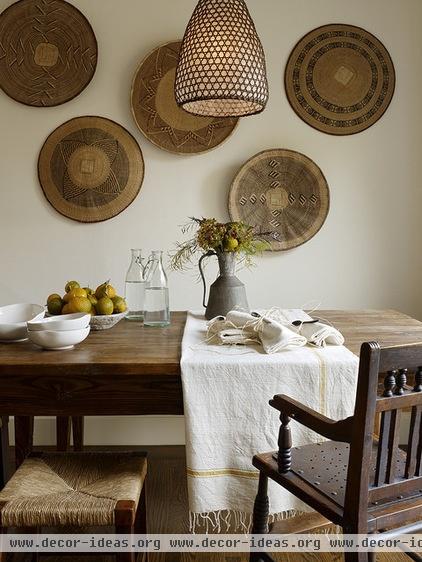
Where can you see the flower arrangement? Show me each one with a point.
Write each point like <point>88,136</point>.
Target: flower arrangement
<point>218,237</point>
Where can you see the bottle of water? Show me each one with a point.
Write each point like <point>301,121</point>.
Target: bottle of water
<point>157,310</point>
<point>135,287</point>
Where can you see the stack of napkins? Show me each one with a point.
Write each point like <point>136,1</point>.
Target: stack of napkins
<point>274,334</point>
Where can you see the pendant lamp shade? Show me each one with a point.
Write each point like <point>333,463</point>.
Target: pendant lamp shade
<point>221,70</point>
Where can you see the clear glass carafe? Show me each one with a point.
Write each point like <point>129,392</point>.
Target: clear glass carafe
<point>157,310</point>
<point>135,287</point>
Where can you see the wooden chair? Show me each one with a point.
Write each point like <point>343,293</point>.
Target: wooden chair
<point>77,490</point>
<point>363,484</point>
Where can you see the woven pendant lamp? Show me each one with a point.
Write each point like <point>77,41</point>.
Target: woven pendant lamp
<point>221,70</point>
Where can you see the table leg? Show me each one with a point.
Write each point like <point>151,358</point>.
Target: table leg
<point>62,433</point>
<point>78,432</point>
<point>24,434</point>
<point>4,451</point>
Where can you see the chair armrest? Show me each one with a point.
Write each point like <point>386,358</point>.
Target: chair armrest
<point>334,430</point>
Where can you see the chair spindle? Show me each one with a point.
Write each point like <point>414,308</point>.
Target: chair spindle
<point>389,384</point>
<point>382,457</point>
<point>284,445</point>
<point>418,380</point>
<point>393,444</point>
<point>413,460</point>
<point>401,380</point>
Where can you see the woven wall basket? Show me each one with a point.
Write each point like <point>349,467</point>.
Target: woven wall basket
<point>283,194</point>
<point>48,52</point>
<point>90,169</point>
<point>339,79</point>
<point>159,117</point>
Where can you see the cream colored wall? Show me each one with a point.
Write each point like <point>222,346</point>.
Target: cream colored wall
<point>366,255</point>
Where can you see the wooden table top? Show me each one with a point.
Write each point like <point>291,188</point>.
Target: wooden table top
<point>129,348</point>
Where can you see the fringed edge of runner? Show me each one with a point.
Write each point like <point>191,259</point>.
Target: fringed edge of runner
<point>229,519</point>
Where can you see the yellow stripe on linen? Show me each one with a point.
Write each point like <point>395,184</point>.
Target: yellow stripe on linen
<point>322,382</point>
<point>222,472</point>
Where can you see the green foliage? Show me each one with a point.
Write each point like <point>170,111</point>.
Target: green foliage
<point>212,235</point>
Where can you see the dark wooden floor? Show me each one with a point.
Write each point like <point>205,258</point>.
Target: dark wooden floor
<point>168,513</point>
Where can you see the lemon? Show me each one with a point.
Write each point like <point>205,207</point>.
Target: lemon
<point>54,306</point>
<point>80,304</point>
<point>71,285</point>
<point>77,292</point>
<point>119,305</point>
<point>230,244</point>
<point>105,290</point>
<point>54,297</point>
<point>104,306</point>
<point>66,309</point>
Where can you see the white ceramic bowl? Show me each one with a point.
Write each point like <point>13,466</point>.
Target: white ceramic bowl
<point>13,319</point>
<point>49,339</point>
<point>106,322</point>
<point>77,321</point>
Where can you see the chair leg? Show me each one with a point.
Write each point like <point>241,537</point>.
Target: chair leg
<point>124,518</point>
<point>3,555</point>
<point>141,520</point>
<point>63,433</point>
<point>78,432</point>
<point>4,451</point>
<point>260,515</point>
<point>24,434</point>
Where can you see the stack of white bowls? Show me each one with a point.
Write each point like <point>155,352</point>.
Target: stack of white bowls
<point>13,320</point>
<point>59,332</point>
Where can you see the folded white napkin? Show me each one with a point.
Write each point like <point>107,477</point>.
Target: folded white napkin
<point>234,329</point>
<point>243,328</point>
<point>320,334</point>
<point>236,336</point>
<point>276,337</point>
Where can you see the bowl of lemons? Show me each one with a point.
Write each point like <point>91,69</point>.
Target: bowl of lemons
<point>104,305</point>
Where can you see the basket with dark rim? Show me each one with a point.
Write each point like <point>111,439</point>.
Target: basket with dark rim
<point>90,169</point>
<point>48,52</point>
<point>340,79</point>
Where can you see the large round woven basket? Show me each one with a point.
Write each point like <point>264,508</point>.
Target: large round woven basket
<point>90,169</point>
<point>48,52</point>
<point>283,194</point>
<point>159,117</point>
<point>340,79</point>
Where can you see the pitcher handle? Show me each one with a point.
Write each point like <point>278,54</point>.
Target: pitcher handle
<point>201,271</point>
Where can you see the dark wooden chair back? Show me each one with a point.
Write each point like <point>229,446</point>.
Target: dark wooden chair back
<point>396,475</point>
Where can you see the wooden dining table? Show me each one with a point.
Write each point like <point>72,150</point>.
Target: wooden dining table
<point>135,370</point>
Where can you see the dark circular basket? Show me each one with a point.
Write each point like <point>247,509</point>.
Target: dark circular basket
<point>340,79</point>
<point>90,169</point>
<point>48,52</point>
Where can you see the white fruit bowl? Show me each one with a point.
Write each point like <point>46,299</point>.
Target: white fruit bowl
<point>106,322</point>
<point>49,339</point>
<point>13,319</point>
<point>77,321</point>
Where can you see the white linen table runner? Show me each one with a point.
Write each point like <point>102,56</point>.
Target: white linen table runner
<point>228,419</point>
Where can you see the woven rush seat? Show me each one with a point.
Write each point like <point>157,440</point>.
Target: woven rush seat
<point>77,489</point>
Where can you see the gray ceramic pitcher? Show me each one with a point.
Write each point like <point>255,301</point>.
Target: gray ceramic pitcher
<point>227,292</point>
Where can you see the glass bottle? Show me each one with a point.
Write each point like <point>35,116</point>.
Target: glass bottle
<point>157,311</point>
<point>135,287</point>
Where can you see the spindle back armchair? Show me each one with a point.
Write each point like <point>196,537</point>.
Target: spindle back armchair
<point>361,481</point>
